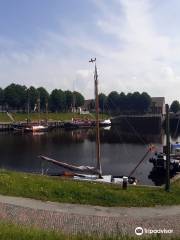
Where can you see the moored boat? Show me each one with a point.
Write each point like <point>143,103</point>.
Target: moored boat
<point>105,123</point>
<point>91,173</point>
<point>79,123</point>
<point>159,159</point>
<point>36,128</point>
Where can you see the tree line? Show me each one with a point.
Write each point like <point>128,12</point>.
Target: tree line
<point>19,97</point>
<point>125,103</point>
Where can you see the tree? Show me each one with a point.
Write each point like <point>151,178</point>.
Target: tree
<point>122,102</point>
<point>175,106</point>
<point>79,99</point>
<point>15,96</point>
<point>1,97</point>
<point>145,102</point>
<point>135,101</point>
<point>69,99</point>
<point>112,101</point>
<point>102,101</point>
<point>44,97</point>
<point>62,100</point>
<point>32,95</point>
<point>57,100</point>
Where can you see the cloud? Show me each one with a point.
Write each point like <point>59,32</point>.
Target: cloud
<point>132,53</point>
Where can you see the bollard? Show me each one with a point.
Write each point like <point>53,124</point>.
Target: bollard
<point>125,181</point>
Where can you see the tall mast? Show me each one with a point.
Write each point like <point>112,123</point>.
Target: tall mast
<point>39,107</point>
<point>28,106</point>
<point>97,120</point>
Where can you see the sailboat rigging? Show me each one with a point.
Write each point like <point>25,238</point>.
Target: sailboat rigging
<point>91,173</point>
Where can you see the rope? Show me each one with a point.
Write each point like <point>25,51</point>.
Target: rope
<point>132,127</point>
<point>145,155</point>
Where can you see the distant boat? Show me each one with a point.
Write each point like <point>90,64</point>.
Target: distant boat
<point>79,123</point>
<point>89,173</point>
<point>105,123</point>
<point>32,126</point>
<point>36,128</point>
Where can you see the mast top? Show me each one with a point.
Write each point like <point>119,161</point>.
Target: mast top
<point>92,60</point>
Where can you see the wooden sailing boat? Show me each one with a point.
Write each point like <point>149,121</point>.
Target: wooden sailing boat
<point>36,127</point>
<point>88,172</point>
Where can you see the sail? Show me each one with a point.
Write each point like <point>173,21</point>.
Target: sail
<point>87,169</point>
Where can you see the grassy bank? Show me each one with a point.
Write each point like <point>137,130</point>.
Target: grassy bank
<point>69,191</point>
<point>14,232</point>
<point>51,116</point>
<point>4,117</point>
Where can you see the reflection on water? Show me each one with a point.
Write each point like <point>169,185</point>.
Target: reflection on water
<point>120,151</point>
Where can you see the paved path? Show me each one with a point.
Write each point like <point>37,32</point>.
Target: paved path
<point>73,218</point>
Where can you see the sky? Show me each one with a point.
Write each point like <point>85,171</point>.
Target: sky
<point>49,43</point>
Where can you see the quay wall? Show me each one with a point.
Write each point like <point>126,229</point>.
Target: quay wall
<point>9,126</point>
<point>140,123</point>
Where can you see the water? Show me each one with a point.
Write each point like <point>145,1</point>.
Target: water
<point>120,152</point>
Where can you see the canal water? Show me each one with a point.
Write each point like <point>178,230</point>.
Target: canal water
<point>120,152</point>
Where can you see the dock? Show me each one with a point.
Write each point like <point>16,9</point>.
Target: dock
<point>9,126</point>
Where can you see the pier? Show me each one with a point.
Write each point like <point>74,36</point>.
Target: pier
<point>9,126</point>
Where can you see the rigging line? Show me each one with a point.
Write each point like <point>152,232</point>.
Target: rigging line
<point>120,137</point>
<point>135,131</point>
<point>145,155</point>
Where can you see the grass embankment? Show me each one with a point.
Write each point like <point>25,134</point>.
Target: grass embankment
<point>4,117</point>
<point>14,232</point>
<point>69,191</point>
<point>51,116</point>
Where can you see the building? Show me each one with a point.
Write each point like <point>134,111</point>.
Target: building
<point>88,105</point>
<point>157,106</point>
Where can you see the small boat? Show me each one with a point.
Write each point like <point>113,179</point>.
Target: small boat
<point>159,159</point>
<point>89,173</point>
<point>105,123</point>
<point>79,123</point>
<point>36,128</point>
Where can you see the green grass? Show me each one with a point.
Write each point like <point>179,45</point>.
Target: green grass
<point>4,117</point>
<point>69,191</point>
<point>51,116</point>
<point>14,232</point>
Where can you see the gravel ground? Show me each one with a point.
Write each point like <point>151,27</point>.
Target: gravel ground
<point>73,218</point>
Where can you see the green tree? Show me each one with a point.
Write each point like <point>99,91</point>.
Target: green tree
<point>122,102</point>
<point>112,101</point>
<point>1,97</point>
<point>145,102</point>
<point>54,100</point>
<point>135,100</point>
<point>32,97</point>
<point>79,99</point>
<point>44,97</point>
<point>175,106</point>
<point>15,96</point>
<point>69,99</point>
<point>57,100</point>
<point>62,100</point>
<point>102,101</point>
